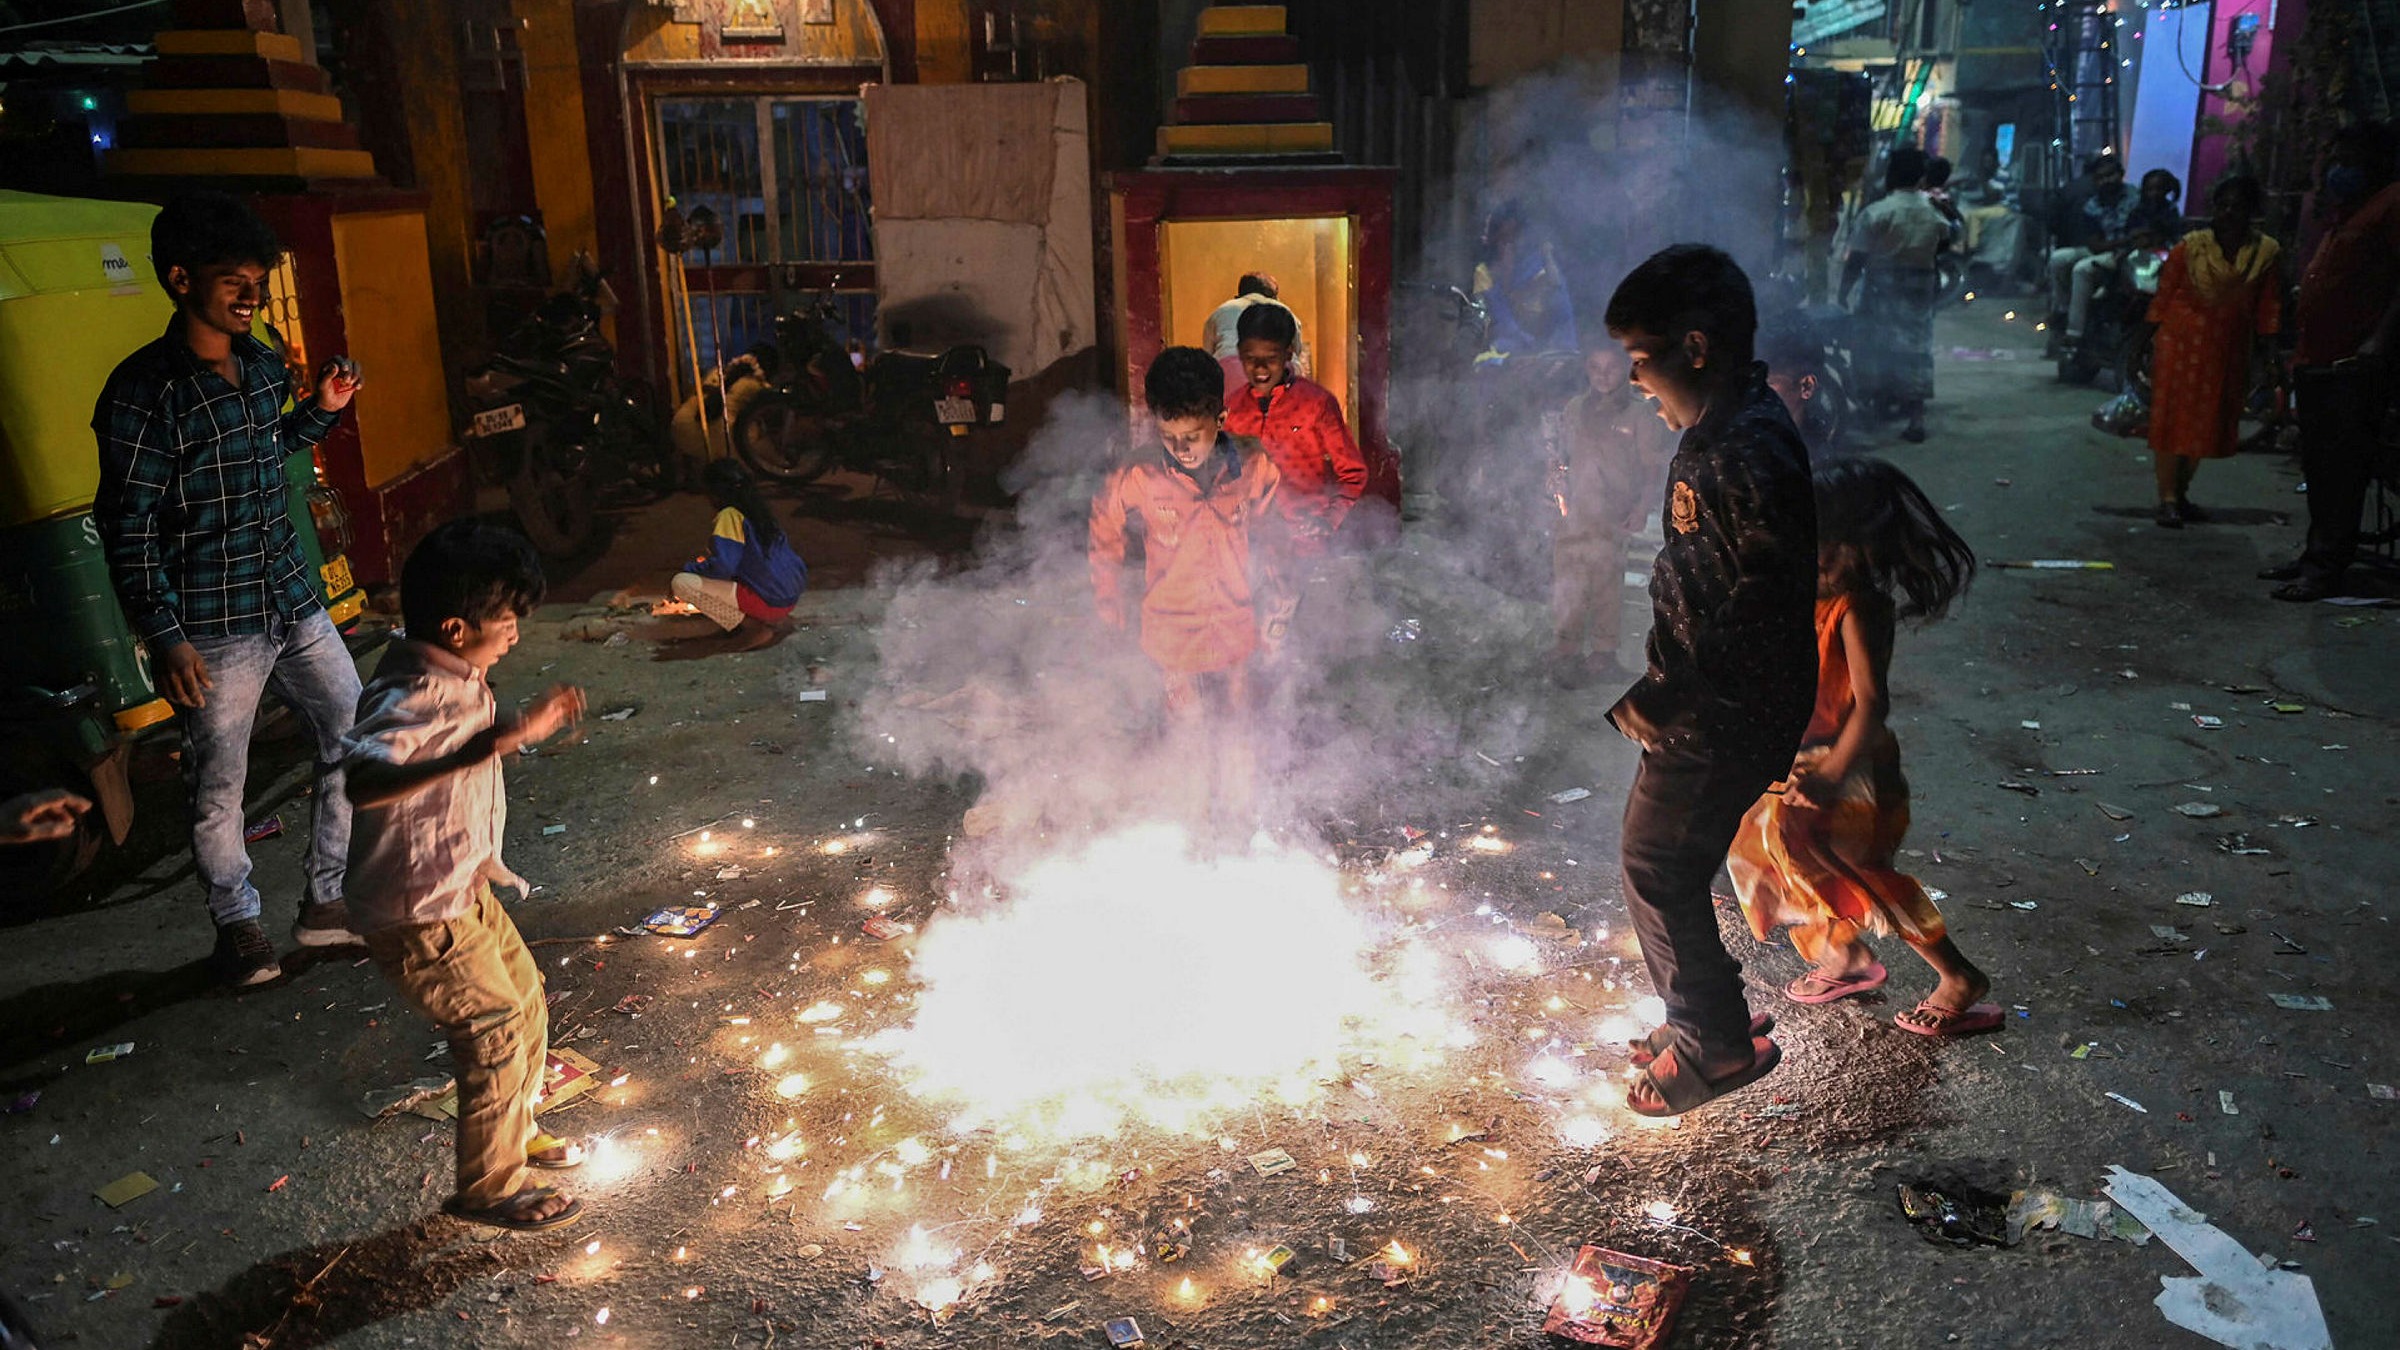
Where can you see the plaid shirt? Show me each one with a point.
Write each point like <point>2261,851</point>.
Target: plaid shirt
<point>192,508</point>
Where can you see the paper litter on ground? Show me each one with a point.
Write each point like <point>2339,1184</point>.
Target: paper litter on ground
<point>126,1189</point>
<point>2234,1300</point>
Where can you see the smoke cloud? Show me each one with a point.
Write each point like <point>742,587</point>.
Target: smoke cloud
<point>1415,680</point>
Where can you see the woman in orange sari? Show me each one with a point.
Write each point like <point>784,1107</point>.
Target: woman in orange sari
<point>2221,288</point>
<point>1817,856</point>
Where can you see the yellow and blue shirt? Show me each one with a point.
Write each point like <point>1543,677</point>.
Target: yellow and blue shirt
<point>773,571</point>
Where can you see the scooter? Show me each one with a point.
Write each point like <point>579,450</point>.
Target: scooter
<point>555,424</point>
<point>898,416</point>
<point>2117,328</point>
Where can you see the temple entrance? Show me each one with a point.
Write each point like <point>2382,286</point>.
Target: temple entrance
<point>1311,261</point>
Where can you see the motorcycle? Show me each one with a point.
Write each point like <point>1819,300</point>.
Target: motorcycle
<point>897,416</point>
<point>2117,328</point>
<point>556,425</point>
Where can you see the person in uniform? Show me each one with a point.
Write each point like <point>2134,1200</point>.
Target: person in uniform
<point>1732,673</point>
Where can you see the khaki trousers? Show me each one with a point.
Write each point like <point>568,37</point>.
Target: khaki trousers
<point>472,977</point>
<point>1587,594</point>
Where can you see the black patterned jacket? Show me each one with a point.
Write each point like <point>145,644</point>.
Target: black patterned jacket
<point>1733,651</point>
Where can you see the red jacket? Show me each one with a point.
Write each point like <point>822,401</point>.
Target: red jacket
<point>1306,435</point>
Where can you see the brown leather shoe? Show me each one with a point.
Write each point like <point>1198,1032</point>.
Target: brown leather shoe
<point>244,957</point>
<point>326,925</point>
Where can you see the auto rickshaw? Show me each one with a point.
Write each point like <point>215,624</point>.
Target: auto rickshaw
<point>77,295</point>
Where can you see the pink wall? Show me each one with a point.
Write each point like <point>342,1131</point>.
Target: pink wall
<point>2210,153</point>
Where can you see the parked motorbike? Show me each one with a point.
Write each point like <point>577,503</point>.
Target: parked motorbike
<point>899,416</point>
<point>556,425</point>
<point>2117,328</point>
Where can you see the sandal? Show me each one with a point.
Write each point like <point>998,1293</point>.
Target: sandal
<point>1643,1051</point>
<point>1667,1088</point>
<point>510,1213</point>
<point>2304,590</point>
<point>1818,987</point>
<point>1931,1019</point>
<point>553,1153</point>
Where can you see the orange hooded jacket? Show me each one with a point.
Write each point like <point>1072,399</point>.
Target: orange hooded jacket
<point>1201,572</point>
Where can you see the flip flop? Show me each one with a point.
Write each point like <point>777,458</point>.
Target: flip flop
<point>1946,1022</point>
<point>553,1153</point>
<point>1646,1049</point>
<point>1680,1089</point>
<point>1865,981</point>
<point>510,1213</point>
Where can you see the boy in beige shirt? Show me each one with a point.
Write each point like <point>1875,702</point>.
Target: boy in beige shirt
<point>423,764</point>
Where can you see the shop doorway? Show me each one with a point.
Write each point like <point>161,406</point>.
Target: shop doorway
<point>1202,261</point>
<point>787,178</point>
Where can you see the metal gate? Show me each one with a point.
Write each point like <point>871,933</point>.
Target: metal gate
<point>787,178</point>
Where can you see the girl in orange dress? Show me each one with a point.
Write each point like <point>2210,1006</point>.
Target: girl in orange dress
<point>2220,289</point>
<point>1816,855</point>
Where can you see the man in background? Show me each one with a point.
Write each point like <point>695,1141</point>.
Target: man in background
<point>2347,319</point>
<point>1221,335</point>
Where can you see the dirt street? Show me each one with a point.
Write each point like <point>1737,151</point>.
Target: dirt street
<point>2089,751</point>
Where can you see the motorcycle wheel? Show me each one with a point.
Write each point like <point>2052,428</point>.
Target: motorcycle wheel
<point>782,437</point>
<point>2075,365</point>
<point>555,500</point>
<point>637,437</point>
<point>945,477</point>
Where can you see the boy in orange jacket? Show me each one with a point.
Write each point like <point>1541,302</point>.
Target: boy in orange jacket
<point>1200,497</point>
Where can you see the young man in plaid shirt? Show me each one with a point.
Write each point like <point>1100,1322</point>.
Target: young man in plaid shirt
<point>192,514</point>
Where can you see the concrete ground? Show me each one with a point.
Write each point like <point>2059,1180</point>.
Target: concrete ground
<point>2067,792</point>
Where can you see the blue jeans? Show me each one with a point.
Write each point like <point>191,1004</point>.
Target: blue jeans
<point>307,666</point>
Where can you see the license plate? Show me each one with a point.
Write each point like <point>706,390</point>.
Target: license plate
<point>493,421</point>
<point>337,576</point>
<point>954,411</point>
<point>999,414</point>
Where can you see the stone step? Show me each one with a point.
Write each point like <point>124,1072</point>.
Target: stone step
<point>1224,109</point>
<point>1200,81</point>
<point>1246,51</point>
<point>1242,21</point>
<point>277,162</point>
<point>249,130</point>
<point>234,72</point>
<point>228,42</point>
<point>223,102</point>
<point>1263,138</point>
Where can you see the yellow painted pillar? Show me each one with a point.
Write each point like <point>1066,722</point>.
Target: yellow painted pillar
<point>554,130</point>
<point>945,51</point>
<point>424,62</point>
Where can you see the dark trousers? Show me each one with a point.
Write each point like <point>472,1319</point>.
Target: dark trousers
<point>1680,819</point>
<point>2337,411</point>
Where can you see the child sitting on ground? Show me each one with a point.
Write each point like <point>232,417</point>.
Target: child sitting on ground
<point>748,581</point>
<point>1200,496</point>
<point>423,764</point>
<point>1817,857</point>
